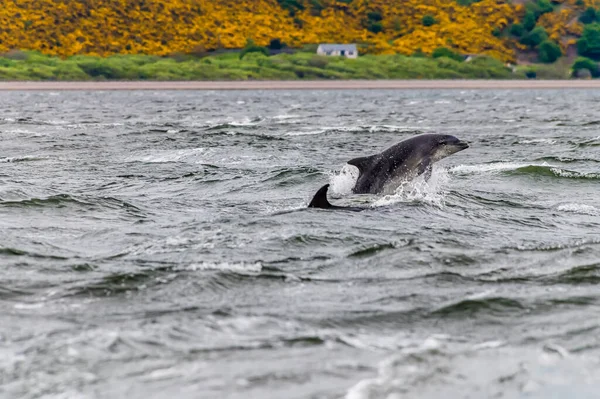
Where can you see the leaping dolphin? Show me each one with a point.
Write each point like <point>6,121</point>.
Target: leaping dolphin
<point>385,171</point>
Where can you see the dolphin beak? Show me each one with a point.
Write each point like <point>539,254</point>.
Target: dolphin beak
<point>463,145</point>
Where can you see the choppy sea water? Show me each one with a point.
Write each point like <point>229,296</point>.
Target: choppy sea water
<point>157,245</point>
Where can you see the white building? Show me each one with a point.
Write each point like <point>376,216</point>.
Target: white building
<point>344,50</point>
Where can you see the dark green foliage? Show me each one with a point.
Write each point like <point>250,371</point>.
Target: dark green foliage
<point>585,63</point>
<point>291,5</point>
<point>428,20</point>
<point>529,20</point>
<point>251,47</point>
<point>275,44</point>
<point>375,27</point>
<point>446,52</point>
<point>530,74</point>
<point>374,16</point>
<point>589,43</point>
<point>535,37</point>
<point>467,2</point>
<point>517,30</point>
<point>316,7</point>
<point>544,6</point>
<point>580,3</point>
<point>539,7</point>
<point>548,52</point>
<point>373,22</point>
<point>497,32</point>
<point>589,16</point>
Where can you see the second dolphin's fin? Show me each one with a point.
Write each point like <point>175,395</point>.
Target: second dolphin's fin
<point>320,199</point>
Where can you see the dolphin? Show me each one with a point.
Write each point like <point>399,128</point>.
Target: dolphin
<point>385,171</point>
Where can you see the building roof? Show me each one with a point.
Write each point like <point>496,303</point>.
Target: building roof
<point>338,47</point>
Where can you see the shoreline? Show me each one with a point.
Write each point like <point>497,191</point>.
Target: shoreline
<point>298,85</point>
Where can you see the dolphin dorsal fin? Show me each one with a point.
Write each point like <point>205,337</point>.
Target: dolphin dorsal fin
<point>320,199</point>
<point>362,163</point>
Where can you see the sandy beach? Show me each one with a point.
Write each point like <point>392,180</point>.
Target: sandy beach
<point>304,85</point>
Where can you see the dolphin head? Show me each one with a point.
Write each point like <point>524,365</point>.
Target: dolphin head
<point>446,145</point>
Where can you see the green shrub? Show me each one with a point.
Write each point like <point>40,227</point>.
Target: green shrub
<point>589,43</point>
<point>529,20</point>
<point>374,16</point>
<point>275,44</point>
<point>588,16</point>
<point>251,47</point>
<point>585,63</point>
<point>446,52</point>
<point>375,27</point>
<point>517,30</point>
<point>544,6</point>
<point>318,61</point>
<point>291,5</point>
<point>548,52</point>
<point>535,37</point>
<point>428,20</point>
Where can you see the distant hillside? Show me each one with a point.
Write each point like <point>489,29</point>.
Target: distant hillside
<point>523,30</point>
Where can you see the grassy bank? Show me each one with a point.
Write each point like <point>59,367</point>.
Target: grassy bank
<point>20,65</point>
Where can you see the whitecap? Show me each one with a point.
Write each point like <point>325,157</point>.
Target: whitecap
<point>490,167</point>
<point>579,208</point>
<point>187,155</point>
<point>236,267</point>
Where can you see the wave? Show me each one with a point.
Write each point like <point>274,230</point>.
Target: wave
<point>357,129</point>
<point>444,366</point>
<point>567,159</point>
<point>20,252</point>
<point>24,158</point>
<point>245,123</point>
<point>231,133</point>
<point>512,168</point>
<point>191,155</point>
<point>595,142</point>
<point>582,209</point>
<point>64,200</point>
<point>584,274</point>
<point>536,141</point>
<point>54,200</point>
<point>553,171</point>
<point>235,267</point>
<point>470,306</point>
<point>289,176</point>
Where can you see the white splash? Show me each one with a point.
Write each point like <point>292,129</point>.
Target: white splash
<point>420,190</point>
<point>417,190</point>
<point>342,183</point>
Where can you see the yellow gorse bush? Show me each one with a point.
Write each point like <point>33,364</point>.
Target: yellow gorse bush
<point>161,27</point>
